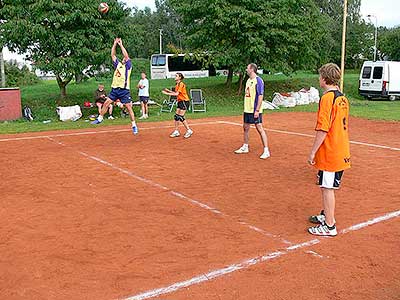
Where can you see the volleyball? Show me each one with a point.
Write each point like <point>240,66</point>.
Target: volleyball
<point>103,8</point>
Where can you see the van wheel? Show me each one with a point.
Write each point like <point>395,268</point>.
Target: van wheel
<point>392,98</point>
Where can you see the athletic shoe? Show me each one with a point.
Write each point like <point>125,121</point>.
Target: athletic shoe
<point>95,122</point>
<point>265,155</point>
<point>318,219</point>
<point>135,130</point>
<point>111,118</point>
<point>323,230</point>
<point>142,117</point>
<point>188,134</point>
<point>242,150</point>
<point>175,134</point>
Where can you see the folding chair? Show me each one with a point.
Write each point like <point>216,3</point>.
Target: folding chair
<point>198,101</point>
<point>168,105</point>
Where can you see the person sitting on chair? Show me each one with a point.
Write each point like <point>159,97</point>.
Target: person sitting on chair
<point>100,96</point>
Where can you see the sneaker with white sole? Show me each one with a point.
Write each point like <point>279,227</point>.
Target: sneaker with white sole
<point>265,155</point>
<point>175,134</point>
<point>242,150</point>
<point>111,118</point>
<point>142,117</point>
<point>318,219</point>
<point>135,130</point>
<point>188,134</point>
<point>323,230</point>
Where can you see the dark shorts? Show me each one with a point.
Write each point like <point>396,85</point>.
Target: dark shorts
<point>144,99</point>
<point>123,95</point>
<point>329,180</point>
<point>249,119</point>
<point>184,105</point>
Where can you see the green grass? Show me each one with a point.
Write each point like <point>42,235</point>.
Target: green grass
<point>44,98</point>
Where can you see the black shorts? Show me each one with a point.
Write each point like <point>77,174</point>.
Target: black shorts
<point>144,99</point>
<point>184,105</point>
<point>329,180</point>
<point>249,118</point>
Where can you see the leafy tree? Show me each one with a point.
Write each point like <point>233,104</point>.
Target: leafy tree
<point>63,37</point>
<point>18,76</point>
<point>388,43</point>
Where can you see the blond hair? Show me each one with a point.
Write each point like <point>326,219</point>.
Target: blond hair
<point>330,73</point>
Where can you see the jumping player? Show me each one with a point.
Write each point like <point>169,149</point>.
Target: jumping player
<point>120,88</point>
<point>330,153</point>
<point>253,111</point>
<point>183,105</point>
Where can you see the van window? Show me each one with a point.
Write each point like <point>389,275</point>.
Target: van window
<point>378,73</point>
<point>367,73</point>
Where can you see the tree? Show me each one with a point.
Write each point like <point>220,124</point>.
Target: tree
<point>279,35</point>
<point>63,37</point>
<point>389,41</point>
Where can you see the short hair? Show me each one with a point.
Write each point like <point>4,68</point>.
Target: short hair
<point>180,76</point>
<point>144,73</point>
<point>330,73</point>
<point>254,67</point>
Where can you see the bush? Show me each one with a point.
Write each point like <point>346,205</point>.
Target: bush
<point>16,76</point>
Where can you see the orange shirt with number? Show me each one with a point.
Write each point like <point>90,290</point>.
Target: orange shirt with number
<point>333,118</point>
<point>180,88</point>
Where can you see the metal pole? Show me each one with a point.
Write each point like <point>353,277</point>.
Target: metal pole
<point>343,44</point>
<point>3,74</point>
<point>376,37</point>
<point>161,32</point>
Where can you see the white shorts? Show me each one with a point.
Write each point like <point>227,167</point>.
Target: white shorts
<point>329,180</point>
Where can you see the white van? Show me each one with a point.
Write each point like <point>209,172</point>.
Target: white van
<point>380,79</point>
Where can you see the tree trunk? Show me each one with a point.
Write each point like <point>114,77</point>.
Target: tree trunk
<point>242,80</point>
<point>62,84</point>
<point>230,77</point>
<point>78,78</point>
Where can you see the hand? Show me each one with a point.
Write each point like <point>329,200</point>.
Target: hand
<point>116,41</point>
<point>256,114</point>
<point>165,92</point>
<point>311,159</point>
<point>119,41</point>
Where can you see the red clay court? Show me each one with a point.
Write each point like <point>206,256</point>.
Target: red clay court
<point>101,214</point>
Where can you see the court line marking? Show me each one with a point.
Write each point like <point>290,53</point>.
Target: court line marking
<point>250,262</point>
<point>97,132</point>
<point>310,135</point>
<point>174,193</point>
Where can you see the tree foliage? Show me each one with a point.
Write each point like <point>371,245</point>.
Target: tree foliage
<point>389,43</point>
<point>63,37</point>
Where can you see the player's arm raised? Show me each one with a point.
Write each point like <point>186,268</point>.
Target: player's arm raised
<point>114,50</point>
<point>124,52</point>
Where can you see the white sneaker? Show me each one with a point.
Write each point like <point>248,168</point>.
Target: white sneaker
<point>175,134</point>
<point>188,134</point>
<point>242,150</point>
<point>265,155</point>
<point>111,118</point>
<point>323,230</point>
<point>142,117</point>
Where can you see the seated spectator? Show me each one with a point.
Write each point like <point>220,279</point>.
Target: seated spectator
<point>100,97</point>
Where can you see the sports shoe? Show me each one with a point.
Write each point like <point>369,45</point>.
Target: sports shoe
<point>323,230</point>
<point>135,130</point>
<point>242,150</point>
<point>318,219</point>
<point>265,155</point>
<point>188,134</point>
<point>95,122</point>
<point>142,117</point>
<point>175,134</point>
<point>111,118</point>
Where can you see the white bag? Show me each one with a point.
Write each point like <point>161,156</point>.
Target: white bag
<point>285,100</point>
<point>269,105</point>
<point>69,113</point>
<point>303,98</point>
<point>314,95</point>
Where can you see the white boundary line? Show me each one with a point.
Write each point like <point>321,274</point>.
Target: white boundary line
<point>96,132</point>
<point>174,193</point>
<point>310,135</point>
<point>250,262</point>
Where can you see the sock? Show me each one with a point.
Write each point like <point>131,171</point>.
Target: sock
<point>246,146</point>
<point>133,124</point>
<point>330,227</point>
<point>100,118</point>
<point>266,150</point>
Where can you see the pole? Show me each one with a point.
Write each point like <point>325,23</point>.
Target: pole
<point>161,33</point>
<point>343,44</point>
<point>3,74</point>
<point>376,37</point>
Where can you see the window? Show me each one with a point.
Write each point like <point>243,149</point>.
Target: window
<point>378,73</point>
<point>181,63</point>
<point>158,60</point>
<point>367,73</point>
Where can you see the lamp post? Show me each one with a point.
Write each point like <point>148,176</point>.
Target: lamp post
<point>161,34</point>
<point>376,34</point>
<point>2,72</point>
<point>342,66</point>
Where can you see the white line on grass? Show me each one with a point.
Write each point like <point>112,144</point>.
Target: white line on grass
<point>96,132</point>
<point>173,193</point>
<point>250,262</point>
<point>310,135</point>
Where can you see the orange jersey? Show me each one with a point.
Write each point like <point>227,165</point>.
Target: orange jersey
<point>181,89</point>
<point>333,118</point>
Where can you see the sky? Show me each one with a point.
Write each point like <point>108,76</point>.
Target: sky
<point>386,12</point>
